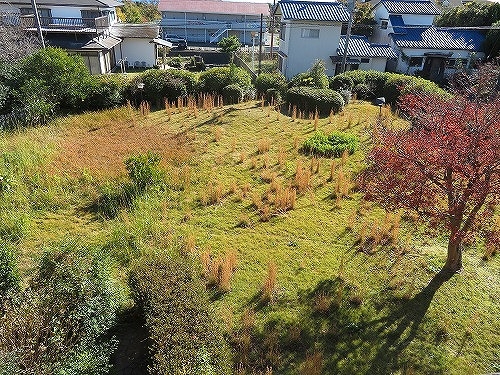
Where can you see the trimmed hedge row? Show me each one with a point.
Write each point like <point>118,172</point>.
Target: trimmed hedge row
<point>369,84</point>
<point>332,145</point>
<point>310,98</point>
<point>185,337</point>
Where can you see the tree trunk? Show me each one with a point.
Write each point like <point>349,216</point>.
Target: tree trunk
<point>454,259</point>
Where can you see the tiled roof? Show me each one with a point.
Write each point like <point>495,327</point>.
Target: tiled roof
<point>131,30</point>
<point>397,23</point>
<point>68,3</point>
<point>102,43</point>
<point>314,11</point>
<point>424,7</point>
<point>439,38</point>
<point>214,6</point>
<point>359,46</point>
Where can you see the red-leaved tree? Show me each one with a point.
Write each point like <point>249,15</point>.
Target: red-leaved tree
<point>446,165</point>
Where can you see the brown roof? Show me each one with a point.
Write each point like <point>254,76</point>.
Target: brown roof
<point>214,6</point>
<point>135,30</point>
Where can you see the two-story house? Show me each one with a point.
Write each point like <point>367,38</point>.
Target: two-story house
<point>312,30</point>
<point>90,29</point>
<point>433,52</point>
<point>208,21</point>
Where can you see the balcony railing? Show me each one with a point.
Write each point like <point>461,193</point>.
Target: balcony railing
<point>63,24</point>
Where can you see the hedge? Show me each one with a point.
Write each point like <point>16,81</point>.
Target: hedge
<point>310,99</point>
<point>185,337</point>
<point>232,94</point>
<point>332,145</point>
<point>215,79</point>
<point>270,81</point>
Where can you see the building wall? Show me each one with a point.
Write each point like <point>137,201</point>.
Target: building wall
<point>403,63</point>
<point>200,27</point>
<point>302,52</point>
<point>376,63</point>
<point>138,49</point>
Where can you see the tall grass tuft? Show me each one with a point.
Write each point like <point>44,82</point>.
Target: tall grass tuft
<point>302,178</point>
<point>269,287</point>
<point>263,145</point>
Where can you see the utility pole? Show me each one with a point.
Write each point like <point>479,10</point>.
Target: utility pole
<point>260,43</point>
<point>272,28</point>
<point>350,8</point>
<point>37,22</point>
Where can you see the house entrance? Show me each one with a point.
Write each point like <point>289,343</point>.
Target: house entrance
<point>434,66</point>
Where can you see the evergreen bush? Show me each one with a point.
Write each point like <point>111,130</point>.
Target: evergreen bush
<point>310,99</point>
<point>185,337</point>
<point>332,145</point>
<point>267,81</point>
<point>232,94</point>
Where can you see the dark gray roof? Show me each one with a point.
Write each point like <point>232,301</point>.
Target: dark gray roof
<point>359,46</point>
<point>139,30</point>
<point>314,11</point>
<point>69,3</point>
<point>424,7</point>
<point>443,38</point>
<point>102,43</point>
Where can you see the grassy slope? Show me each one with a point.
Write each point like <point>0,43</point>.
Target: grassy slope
<point>398,328</point>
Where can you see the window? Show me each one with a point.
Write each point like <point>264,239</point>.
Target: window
<point>90,14</point>
<point>282,31</point>
<point>383,24</point>
<point>309,33</point>
<point>42,12</point>
<point>364,60</point>
<point>416,61</point>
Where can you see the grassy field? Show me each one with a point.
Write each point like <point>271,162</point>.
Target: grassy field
<point>324,283</point>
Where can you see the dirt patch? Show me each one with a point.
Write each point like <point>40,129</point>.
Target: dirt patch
<point>102,151</point>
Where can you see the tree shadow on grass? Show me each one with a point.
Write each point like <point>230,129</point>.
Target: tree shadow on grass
<point>353,338</point>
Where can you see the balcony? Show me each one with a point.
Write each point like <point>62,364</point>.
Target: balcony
<point>97,25</point>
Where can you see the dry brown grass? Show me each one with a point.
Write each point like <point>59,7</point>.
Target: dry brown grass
<point>269,287</point>
<point>314,165</point>
<point>218,271</point>
<point>322,302</point>
<point>188,244</point>
<point>313,365</point>
<point>265,212</point>
<point>263,145</point>
<point>242,157</point>
<point>217,131</point>
<point>253,163</point>
<point>101,150</point>
<point>285,199</point>
<point>302,178</point>
<point>282,157</point>
<point>212,194</point>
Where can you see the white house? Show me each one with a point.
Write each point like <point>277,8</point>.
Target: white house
<point>141,45</point>
<point>207,21</point>
<point>312,30</point>
<point>90,29</point>
<point>363,55</point>
<point>432,52</point>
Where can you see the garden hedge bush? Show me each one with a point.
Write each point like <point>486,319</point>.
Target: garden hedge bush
<point>268,81</point>
<point>314,77</point>
<point>332,145</point>
<point>215,79</point>
<point>397,85</point>
<point>341,82</point>
<point>185,337</point>
<point>310,99</point>
<point>232,94</point>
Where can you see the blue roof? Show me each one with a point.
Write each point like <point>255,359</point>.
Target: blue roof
<point>398,24</point>
<point>314,11</point>
<point>445,38</point>
<point>424,7</point>
<point>359,46</point>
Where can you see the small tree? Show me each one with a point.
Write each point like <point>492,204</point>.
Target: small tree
<point>230,45</point>
<point>447,165</point>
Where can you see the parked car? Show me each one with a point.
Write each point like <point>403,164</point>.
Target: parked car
<point>176,40</point>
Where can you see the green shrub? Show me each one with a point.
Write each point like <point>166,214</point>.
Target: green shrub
<point>185,337</point>
<point>106,91</point>
<point>61,323</point>
<point>310,99</point>
<point>9,276</point>
<point>159,85</point>
<point>399,84</point>
<point>144,171</point>
<point>114,197</point>
<point>314,77</point>
<point>266,81</point>
<point>232,94</point>
<point>66,76</point>
<point>341,82</point>
<point>215,79</point>
<point>332,145</point>
<point>273,96</point>
<point>189,79</point>
<point>363,91</point>
<point>36,101</point>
